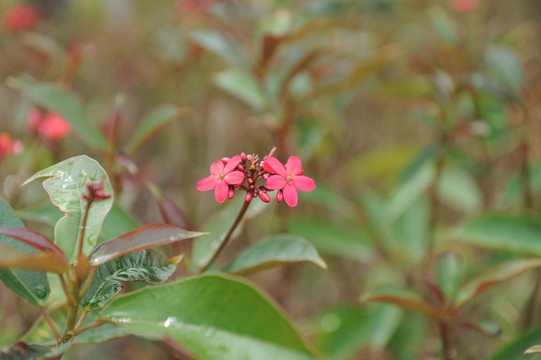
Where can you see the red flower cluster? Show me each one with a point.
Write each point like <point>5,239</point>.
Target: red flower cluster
<point>96,192</point>
<point>49,126</point>
<point>257,178</point>
<point>9,146</point>
<point>20,17</point>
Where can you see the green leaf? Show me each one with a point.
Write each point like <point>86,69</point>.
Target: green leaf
<point>218,226</point>
<point>147,236</point>
<point>516,348</point>
<point>351,243</point>
<point>47,214</point>
<point>65,184</point>
<point>517,233</point>
<point>144,265</point>
<point>23,351</point>
<point>31,285</point>
<point>450,271</point>
<point>458,190</point>
<point>275,251</point>
<point>344,331</point>
<point>403,299</point>
<point>117,222</point>
<point>153,122</point>
<point>213,317</point>
<point>409,192</point>
<point>337,204</point>
<point>504,63</point>
<point>65,103</point>
<point>40,333</point>
<point>443,24</point>
<point>410,232</point>
<point>241,85</point>
<point>493,277</point>
<point>225,47</point>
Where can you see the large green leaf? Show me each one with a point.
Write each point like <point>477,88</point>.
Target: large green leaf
<point>275,251</point>
<point>31,285</point>
<point>66,183</point>
<point>65,103</point>
<point>518,233</point>
<point>153,122</point>
<point>213,317</point>
<point>515,349</point>
<point>40,333</point>
<point>344,331</point>
<point>144,265</point>
<point>351,243</point>
<point>493,277</point>
<point>218,226</point>
<point>220,44</point>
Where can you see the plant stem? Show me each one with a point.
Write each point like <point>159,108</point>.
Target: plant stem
<point>80,322</point>
<point>66,290</point>
<point>88,282</point>
<point>93,325</point>
<point>445,342</point>
<point>80,240</point>
<point>50,322</point>
<point>227,237</point>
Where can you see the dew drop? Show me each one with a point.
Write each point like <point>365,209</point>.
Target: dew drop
<point>40,291</point>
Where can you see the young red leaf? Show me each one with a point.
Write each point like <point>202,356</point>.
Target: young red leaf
<point>46,261</point>
<point>493,277</point>
<point>404,300</point>
<point>34,239</point>
<point>147,236</point>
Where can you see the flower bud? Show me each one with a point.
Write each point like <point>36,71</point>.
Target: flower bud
<point>248,197</point>
<point>240,167</point>
<point>280,196</point>
<point>252,187</point>
<point>231,193</point>
<point>266,176</point>
<point>264,197</point>
<point>243,157</point>
<point>225,160</point>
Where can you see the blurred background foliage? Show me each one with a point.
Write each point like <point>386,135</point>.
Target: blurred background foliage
<point>417,118</point>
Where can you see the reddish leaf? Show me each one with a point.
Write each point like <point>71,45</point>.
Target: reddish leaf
<point>46,261</point>
<point>34,239</point>
<point>493,277</point>
<point>147,236</point>
<point>404,300</point>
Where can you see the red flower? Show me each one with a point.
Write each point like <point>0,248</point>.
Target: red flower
<point>9,146</point>
<point>288,179</point>
<point>222,176</point>
<point>463,6</point>
<point>52,126</point>
<point>20,18</point>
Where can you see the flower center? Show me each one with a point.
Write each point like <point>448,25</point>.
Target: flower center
<point>222,176</point>
<point>288,178</point>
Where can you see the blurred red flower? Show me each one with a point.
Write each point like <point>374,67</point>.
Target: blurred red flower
<point>463,6</point>
<point>51,126</point>
<point>20,17</point>
<point>9,146</point>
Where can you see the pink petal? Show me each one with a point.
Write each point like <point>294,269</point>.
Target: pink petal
<point>276,182</point>
<point>274,166</point>
<point>235,178</point>
<point>232,164</point>
<point>207,183</point>
<point>293,165</point>
<point>220,193</point>
<point>216,168</point>
<point>304,183</point>
<point>290,195</point>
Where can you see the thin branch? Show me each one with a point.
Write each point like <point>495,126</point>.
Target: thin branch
<point>50,322</point>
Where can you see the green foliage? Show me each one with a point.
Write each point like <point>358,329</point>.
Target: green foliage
<point>66,184</point>
<point>30,285</point>
<point>188,313</point>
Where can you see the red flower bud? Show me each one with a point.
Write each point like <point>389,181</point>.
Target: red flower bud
<point>248,197</point>
<point>225,160</point>
<point>231,193</point>
<point>280,196</point>
<point>264,197</point>
<point>243,157</point>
